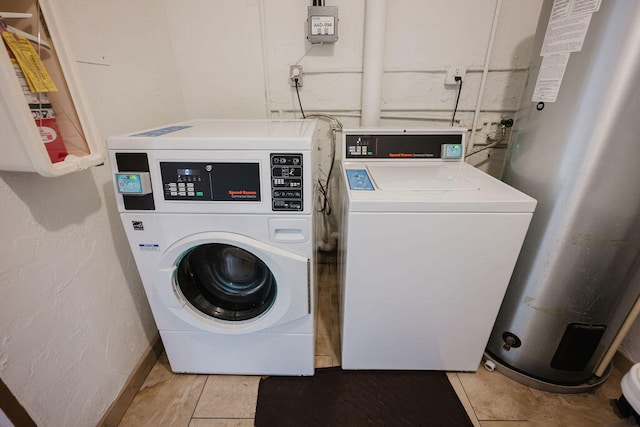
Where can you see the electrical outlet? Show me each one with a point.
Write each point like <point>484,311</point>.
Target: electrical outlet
<point>295,72</point>
<point>453,72</point>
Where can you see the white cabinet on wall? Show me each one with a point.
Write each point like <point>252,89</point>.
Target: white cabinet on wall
<point>22,130</point>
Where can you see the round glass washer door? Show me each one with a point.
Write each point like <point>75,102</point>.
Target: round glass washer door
<point>225,282</point>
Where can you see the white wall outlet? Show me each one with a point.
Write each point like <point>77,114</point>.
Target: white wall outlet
<point>295,72</point>
<point>453,72</point>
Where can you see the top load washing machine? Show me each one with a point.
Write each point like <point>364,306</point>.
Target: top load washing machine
<point>220,219</point>
<point>427,247</point>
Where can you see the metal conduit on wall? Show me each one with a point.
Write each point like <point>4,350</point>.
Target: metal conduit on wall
<point>373,61</point>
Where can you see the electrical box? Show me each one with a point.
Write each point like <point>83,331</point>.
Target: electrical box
<point>322,24</point>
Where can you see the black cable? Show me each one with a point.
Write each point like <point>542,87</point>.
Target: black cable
<point>324,189</point>
<point>504,124</point>
<point>299,102</point>
<point>326,205</point>
<point>455,110</point>
<point>482,149</point>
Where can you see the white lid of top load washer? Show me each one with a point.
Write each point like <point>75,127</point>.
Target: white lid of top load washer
<point>431,187</point>
<point>422,177</point>
<point>220,135</point>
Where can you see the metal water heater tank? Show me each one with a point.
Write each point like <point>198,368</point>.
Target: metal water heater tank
<point>576,279</point>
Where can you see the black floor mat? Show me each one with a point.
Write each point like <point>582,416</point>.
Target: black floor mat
<point>334,397</point>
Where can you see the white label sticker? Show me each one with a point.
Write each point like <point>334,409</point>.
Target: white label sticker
<point>48,134</point>
<point>322,26</point>
<point>578,7</point>
<point>550,77</point>
<point>560,10</point>
<point>565,35</point>
<point>565,8</point>
<point>149,246</point>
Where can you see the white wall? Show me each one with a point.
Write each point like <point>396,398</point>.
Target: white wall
<point>234,60</point>
<point>74,320</point>
<point>73,317</point>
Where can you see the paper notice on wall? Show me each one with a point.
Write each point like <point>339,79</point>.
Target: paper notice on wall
<point>563,9</point>
<point>565,35</point>
<point>566,31</point>
<point>560,10</point>
<point>550,77</point>
<point>578,7</point>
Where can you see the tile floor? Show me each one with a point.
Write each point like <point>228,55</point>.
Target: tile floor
<point>491,399</point>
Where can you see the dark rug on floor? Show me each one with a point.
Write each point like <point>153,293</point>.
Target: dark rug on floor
<point>333,397</point>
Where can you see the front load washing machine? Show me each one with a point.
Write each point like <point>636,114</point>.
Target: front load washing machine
<point>220,219</point>
<point>427,246</point>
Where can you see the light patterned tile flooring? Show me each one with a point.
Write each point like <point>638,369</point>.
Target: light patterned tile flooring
<point>490,398</point>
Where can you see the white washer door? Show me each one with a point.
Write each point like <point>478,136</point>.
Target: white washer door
<point>229,283</point>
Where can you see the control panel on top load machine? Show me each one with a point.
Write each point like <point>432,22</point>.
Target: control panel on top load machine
<point>404,146</point>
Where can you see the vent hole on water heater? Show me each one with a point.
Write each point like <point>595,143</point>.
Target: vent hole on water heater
<point>577,346</point>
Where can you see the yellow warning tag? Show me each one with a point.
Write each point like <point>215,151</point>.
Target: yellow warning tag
<point>37,76</point>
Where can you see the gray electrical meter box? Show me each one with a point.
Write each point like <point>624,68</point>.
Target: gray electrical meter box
<point>322,24</point>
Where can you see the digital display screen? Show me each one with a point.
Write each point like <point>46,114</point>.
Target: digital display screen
<point>128,184</point>
<point>188,172</point>
<point>453,151</point>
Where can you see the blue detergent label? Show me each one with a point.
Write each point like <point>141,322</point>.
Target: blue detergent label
<point>162,131</point>
<point>359,180</point>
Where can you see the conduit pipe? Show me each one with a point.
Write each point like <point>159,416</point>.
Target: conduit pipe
<point>485,72</point>
<point>375,23</point>
<point>622,333</point>
<point>265,57</point>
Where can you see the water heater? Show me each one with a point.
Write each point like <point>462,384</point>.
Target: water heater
<point>576,280</point>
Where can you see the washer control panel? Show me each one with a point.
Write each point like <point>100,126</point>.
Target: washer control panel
<point>441,145</point>
<point>286,182</point>
<point>214,181</point>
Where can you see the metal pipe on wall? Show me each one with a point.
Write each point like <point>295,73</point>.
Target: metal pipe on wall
<point>615,344</point>
<point>265,56</point>
<point>375,23</point>
<point>485,72</point>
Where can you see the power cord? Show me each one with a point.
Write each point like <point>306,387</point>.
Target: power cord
<point>504,124</point>
<point>298,93</point>
<point>324,187</point>
<point>455,110</point>
<point>328,240</point>
<point>493,144</point>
